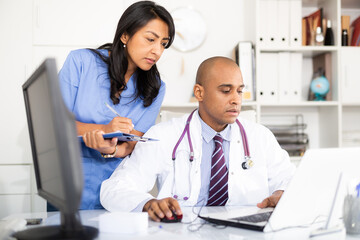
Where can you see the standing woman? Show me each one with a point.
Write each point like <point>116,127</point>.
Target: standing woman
<point>124,75</point>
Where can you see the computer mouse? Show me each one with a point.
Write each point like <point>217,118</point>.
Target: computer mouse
<point>173,219</point>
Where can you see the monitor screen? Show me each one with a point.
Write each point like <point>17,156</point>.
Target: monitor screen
<point>44,137</point>
<point>56,154</point>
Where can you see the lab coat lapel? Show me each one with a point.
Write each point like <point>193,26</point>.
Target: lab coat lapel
<point>187,175</point>
<point>236,157</point>
<point>195,173</point>
<point>246,187</point>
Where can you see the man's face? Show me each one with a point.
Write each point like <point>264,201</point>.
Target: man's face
<point>221,96</point>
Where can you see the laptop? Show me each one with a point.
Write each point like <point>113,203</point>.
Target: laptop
<point>308,198</point>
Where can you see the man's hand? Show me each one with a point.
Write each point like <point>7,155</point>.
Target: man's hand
<point>158,209</point>
<point>272,200</point>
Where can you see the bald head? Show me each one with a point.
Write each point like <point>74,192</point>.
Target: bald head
<point>213,66</point>
<point>218,89</point>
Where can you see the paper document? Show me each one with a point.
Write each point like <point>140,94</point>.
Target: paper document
<point>124,137</point>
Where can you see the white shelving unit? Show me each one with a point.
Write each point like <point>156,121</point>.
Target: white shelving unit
<point>329,123</point>
<point>322,118</point>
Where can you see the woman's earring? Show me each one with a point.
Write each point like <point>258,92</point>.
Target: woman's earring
<point>124,45</point>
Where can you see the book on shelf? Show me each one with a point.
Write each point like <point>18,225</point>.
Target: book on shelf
<point>345,24</point>
<point>355,32</point>
<point>303,31</point>
<point>311,22</point>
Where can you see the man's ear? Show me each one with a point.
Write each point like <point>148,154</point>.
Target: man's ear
<point>124,38</point>
<point>199,92</point>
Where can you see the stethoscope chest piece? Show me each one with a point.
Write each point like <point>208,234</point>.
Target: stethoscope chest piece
<point>247,164</point>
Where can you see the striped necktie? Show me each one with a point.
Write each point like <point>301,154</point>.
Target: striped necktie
<point>218,189</point>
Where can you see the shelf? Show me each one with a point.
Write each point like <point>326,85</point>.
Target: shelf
<point>350,4</point>
<point>254,104</point>
<point>180,105</point>
<point>351,47</point>
<point>351,104</point>
<point>195,104</point>
<point>302,104</point>
<point>312,3</point>
<point>307,51</point>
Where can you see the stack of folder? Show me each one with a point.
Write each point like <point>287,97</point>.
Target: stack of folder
<point>280,78</point>
<point>279,23</point>
<point>289,131</point>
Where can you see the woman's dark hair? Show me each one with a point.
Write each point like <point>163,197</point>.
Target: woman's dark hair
<point>135,17</point>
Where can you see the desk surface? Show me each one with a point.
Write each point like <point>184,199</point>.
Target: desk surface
<point>182,230</point>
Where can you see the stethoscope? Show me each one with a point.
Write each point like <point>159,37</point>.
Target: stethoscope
<point>248,163</point>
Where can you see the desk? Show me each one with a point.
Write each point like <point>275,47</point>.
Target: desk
<point>177,231</point>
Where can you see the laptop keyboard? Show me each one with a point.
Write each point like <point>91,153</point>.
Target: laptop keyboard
<point>255,218</point>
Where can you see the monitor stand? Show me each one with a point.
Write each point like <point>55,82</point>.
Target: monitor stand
<point>331,231</point>
<point>70,228</point>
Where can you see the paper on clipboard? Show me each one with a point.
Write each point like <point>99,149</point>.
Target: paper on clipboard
<point>124,137</point>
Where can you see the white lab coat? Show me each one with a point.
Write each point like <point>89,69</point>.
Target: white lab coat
<point>130,183</point>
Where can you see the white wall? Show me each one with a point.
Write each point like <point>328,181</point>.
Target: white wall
<point>15,54</point>
<point>33,30</point>
<point>26,34</point>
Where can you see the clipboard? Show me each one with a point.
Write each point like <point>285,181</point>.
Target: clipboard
<point>124,137</point>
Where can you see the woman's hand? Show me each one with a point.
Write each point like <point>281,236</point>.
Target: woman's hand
<point>94,139</point>
<point>93,136</point>
<point>122,124</point>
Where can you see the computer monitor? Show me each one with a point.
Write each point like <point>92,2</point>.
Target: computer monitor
<point>56,155</point>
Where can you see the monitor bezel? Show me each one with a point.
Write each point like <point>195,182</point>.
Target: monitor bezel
<point>71,171</point>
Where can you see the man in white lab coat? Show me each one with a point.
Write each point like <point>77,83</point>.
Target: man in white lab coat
<point>185,182</point>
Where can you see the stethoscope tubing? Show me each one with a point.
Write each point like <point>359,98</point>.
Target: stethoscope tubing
<point>244,139</point>
<point>187,131</point>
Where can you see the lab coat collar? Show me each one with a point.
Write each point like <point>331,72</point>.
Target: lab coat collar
<point>230,133</point>
<point>208,133</point>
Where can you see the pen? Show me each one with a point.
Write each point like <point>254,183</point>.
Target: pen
<point>113,110</point>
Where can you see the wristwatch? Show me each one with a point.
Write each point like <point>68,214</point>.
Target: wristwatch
<point>110,155</point>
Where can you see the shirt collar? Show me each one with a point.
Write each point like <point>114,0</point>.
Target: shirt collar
<point>208,133</point>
